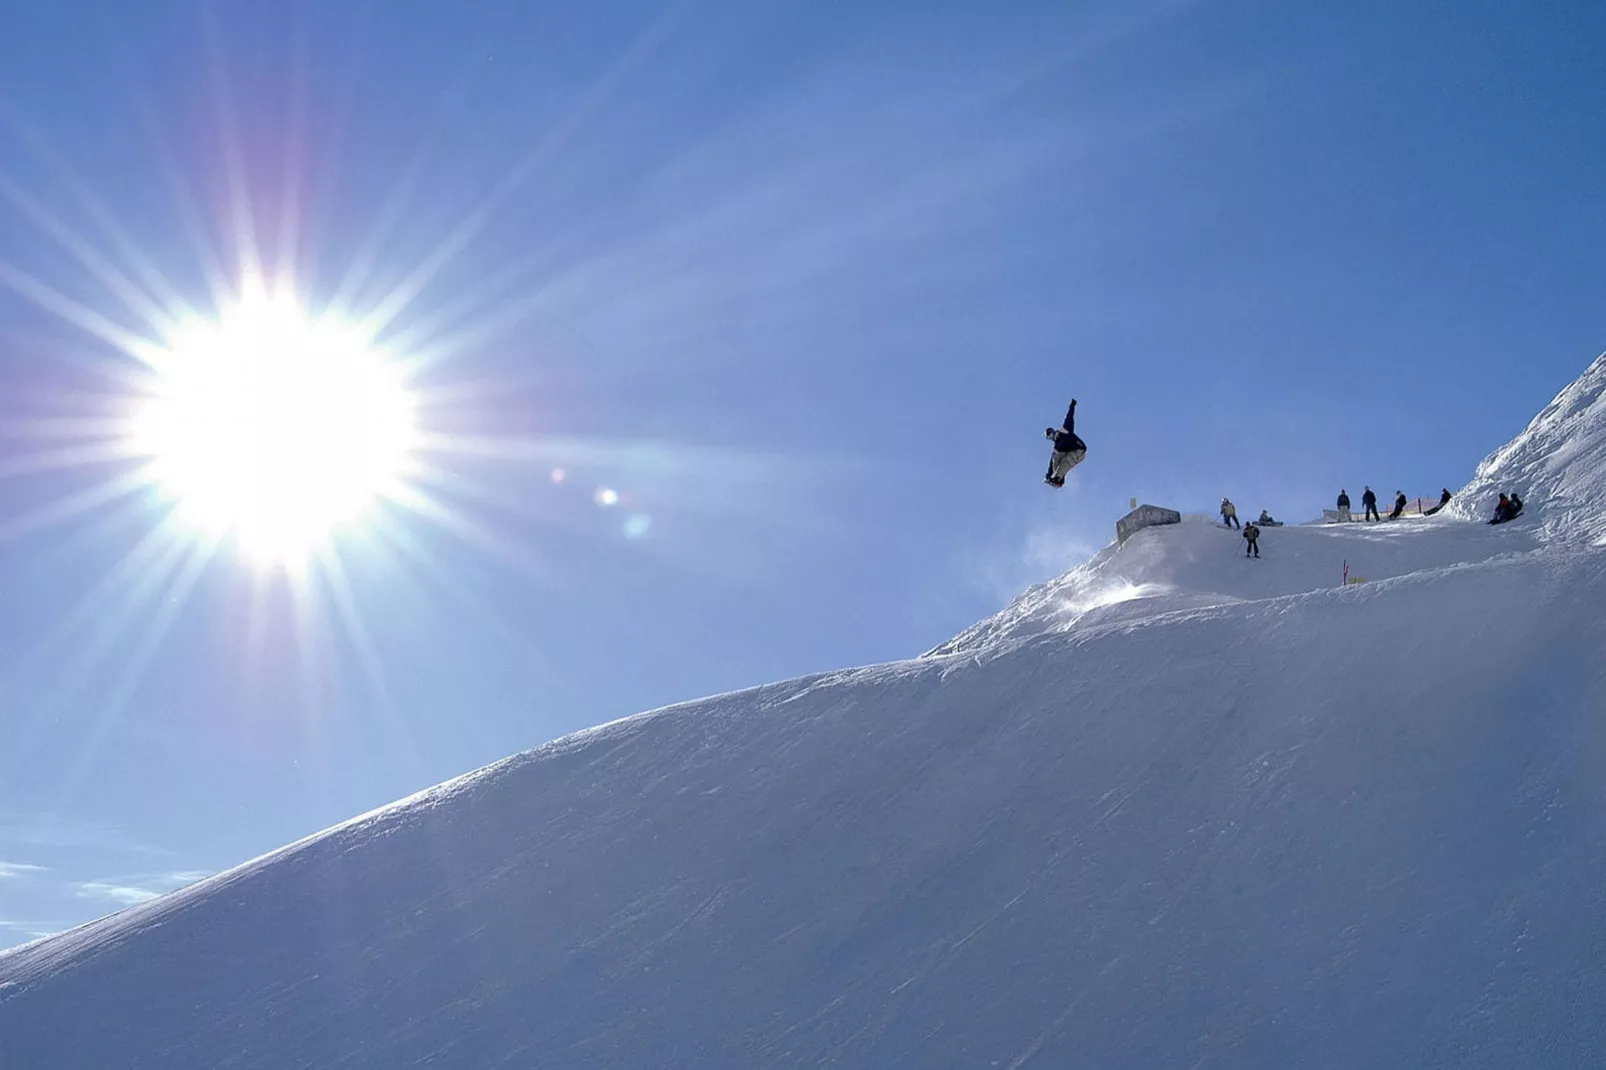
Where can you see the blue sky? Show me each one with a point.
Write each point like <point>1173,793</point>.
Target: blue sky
<point>802,284</point>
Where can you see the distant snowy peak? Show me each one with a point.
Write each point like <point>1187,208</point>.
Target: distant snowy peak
<point>1557,465</point>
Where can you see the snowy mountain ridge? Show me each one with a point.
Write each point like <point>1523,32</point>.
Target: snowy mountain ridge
<point>1174,808</point>
<point>1200,564</point>
<point>1558,465</point>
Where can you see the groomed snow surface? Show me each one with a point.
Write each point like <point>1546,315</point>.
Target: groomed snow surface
<point>1174,809</point>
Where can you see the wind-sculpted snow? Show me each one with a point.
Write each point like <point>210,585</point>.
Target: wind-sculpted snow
<point>1174,809</point>
<point>1557,465</point>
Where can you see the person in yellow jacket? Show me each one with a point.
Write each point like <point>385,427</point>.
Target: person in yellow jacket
<point>1229,514</point>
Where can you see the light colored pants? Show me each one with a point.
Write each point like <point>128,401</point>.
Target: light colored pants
<point>1343,516</point>
<point>1060,464</point>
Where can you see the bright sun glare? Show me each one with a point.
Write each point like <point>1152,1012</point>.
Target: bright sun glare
<point>275,427</point>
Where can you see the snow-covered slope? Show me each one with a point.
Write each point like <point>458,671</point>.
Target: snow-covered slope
<point>1248,818</point>
<point>1557,465</point>
<point>1200,563</point>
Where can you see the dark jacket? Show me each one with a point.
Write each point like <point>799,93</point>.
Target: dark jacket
<point>1251,532</point>
<point>1343,501</point>
<point>1369,499</point>
<point>1065,439</point>
<point>1444,499</point>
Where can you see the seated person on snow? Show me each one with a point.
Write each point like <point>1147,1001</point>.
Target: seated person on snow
<point>1513,508</point>
<point>1068,449</point>
<point>1506,509</point>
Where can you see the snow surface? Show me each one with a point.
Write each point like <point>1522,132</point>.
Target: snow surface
<point>1201,564</point>
<point>1174,809</point>
<point>1556,465</point>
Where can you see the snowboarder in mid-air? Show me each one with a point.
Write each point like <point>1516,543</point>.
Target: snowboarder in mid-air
<point>1068,449</point>
<point>1251,539</point>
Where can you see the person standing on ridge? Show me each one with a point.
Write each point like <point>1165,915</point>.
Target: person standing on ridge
<point>1068,449</point>
<point>1399,505</point>
<point>1343,505</point>
<point>1229,514</point>
<point>1251,539</point>
<point>1369,499</point>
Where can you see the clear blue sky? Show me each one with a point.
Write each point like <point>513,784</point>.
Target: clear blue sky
<point>803,283</point>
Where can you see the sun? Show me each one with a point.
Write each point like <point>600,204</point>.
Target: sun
<point>273,427</point>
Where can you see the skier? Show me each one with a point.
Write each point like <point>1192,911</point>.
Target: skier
<point>1229,514</point>
<point>1369,499</point>
<point>1399,505</point>
<point>1343,506</point>
<point>1251,540</point>
<point>1444,499</point>
<point>1068,449</point>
